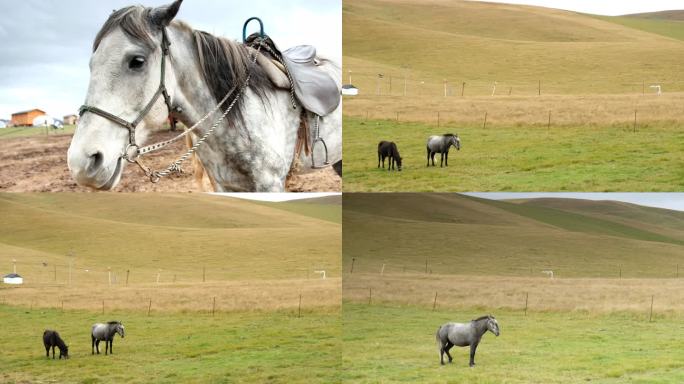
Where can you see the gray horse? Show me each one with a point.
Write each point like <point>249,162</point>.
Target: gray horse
<point>105,332</point>
<point>441,144</point>
<point>463,335</point>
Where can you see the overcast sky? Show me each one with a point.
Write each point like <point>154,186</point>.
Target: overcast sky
<point>45,45</point>
<point>673,201</point>
<point>603,7</point>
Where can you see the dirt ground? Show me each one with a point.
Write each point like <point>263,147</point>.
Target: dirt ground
<point>38,164</point>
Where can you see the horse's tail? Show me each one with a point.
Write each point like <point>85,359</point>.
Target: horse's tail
<point>438,340</point>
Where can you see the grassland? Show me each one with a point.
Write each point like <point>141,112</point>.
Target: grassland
<point>470,236</point>
<point>415,261</point>
<point>210,288</point>
<point>517,158</point>
<point>558,90</point>
<point>236,347</point>
<point>395,343</point>
<point>8,133</point>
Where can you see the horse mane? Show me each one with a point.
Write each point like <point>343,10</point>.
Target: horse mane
<point>484,318</point>
<point>224,63</point>
<point>113,322</point>
<point>448,135</point>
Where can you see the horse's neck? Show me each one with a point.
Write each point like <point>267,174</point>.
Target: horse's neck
<point>238,150</point>
<point>480,327</point>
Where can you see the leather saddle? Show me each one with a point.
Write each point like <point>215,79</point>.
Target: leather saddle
<point>315,89</point>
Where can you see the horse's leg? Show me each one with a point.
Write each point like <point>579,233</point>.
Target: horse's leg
<point>47,351</point>
<point>446,350</point>
<point>53,352</point>
<point>433,158</point>
<point>111,346</point>
<point>428,157</point>
<point>441,353</point>
<point>441,159</point>
<point>473,347</point>
<point>446,159</point>
<point>97,346</point>
<point>379,156</point>
<point>92,344</point>
<point>106,346</point>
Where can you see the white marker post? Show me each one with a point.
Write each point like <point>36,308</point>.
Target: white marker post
<point>322,273</point>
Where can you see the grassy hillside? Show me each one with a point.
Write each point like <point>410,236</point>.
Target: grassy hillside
<point>183,235</point>
<point>666,23</point>
<point>518,46</point>
<point>454,234</point>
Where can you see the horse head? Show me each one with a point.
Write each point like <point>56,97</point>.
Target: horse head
<point>124,94</point>
<point>120,329</point>
<point>455,141</point>
<point>492,325</point>
<point>64,352</point>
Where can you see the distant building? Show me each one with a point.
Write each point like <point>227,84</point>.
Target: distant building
<point>349,90</point>
<point>25,118</point>
<point>70,119</point>
<point>13,278</point>
<point>3,123</point>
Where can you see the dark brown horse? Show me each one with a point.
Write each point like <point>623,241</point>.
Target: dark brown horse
<point>388,149</point>
<point>50,340</point>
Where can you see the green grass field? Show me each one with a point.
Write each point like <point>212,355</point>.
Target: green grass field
<point>8,133</point>
<point>237,347</point>
<point>517,158</point>
<point>390,343</point>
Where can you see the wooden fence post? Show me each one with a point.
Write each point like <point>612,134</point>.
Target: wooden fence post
<point>299,309</point>
<point>213,307</point>
<point>128,272</point>
<point>462,89</point>
<point>548,126</point>
<point>485,121</point>
<point>650,315</point>
<point>434,303</point>
<point>635,121</point>
<point>539,89</point>
<point>527,296</point>
<point>149,308</point>
<point>352,266</point>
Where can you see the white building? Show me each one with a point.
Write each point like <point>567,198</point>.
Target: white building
<point>349,90</point>
<point>13,278</point>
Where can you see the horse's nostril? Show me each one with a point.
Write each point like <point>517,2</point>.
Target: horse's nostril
<point>96,160</point>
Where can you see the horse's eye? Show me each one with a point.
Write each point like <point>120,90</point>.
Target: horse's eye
<point>136,62</point>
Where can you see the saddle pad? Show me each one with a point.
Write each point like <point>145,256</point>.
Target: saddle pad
<point>315,89</point>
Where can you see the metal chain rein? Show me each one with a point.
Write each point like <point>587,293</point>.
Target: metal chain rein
<point>155,176</point>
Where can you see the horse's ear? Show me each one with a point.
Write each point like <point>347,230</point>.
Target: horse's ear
<point>163,15</point>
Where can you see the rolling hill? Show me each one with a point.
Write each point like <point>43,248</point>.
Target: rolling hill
<point>179,234</point>
<point>479,43</point>
<point>457,234</point>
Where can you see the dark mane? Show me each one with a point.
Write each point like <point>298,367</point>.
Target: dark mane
<point>448,135</point>
<point>224,63</point>
<point>484,317</point>
<point>113,322</point>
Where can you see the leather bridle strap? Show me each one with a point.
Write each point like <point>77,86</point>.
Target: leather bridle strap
<point>130,126</point>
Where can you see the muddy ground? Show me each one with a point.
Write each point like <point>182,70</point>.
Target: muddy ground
<point>38,164</point>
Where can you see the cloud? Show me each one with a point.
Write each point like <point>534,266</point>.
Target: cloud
<point>46,44</point>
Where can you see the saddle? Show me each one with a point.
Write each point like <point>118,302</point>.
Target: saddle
<point>297,70</point>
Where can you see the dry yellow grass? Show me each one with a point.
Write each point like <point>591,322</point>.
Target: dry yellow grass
<point>599,110</point>
<point>247,295</point>
<point>498,292</point>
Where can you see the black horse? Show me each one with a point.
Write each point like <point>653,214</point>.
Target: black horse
<point>52,339</point>
<point>389,149</point>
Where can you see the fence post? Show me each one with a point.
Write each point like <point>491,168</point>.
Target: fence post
<point>462,89</point>
<point>352,266</point>
<point>426,265</point>
<point>485,121</point>
<point>382,270</point>
<point>548,126</point>
<point>527,296</point>
<point>539,89</point>
<point>128,272</point>
<point>299,309</point>
<point>650,316</point>
<point>213,307</point>
<point>434,303</point>
<point>635,121</point>
<point>149,308</point>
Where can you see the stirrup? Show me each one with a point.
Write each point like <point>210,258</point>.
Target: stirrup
<point>313,150</point>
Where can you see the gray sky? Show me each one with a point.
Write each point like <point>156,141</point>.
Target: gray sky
<point>46,44</point>
<point>673,201</point>
<point>603,7</point>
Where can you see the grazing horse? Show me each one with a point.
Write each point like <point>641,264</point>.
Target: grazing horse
<point>389,149</point>
<point>142,54</point>
<point>105,332</point>
<point>441,145</point>
<point>463,335</point>
<point>50,340</point>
